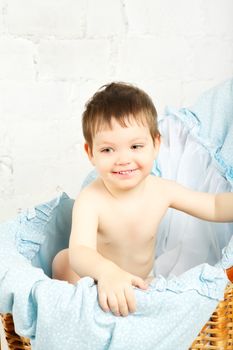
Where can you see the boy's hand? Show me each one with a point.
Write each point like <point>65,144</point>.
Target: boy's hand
<point>115,291</point>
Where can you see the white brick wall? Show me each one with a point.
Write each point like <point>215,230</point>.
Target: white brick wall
<point>55,54</point>
<point>71,60</point>
<point>46,18</point>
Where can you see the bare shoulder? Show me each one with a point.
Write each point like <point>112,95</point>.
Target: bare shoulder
<point>163,185</point>
<point>90,195</point>
<point>166,189</point>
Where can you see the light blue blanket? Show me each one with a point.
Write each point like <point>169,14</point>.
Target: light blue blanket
<point>57,315</point>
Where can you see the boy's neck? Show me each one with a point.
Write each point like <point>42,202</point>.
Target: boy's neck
<point>126,193</point>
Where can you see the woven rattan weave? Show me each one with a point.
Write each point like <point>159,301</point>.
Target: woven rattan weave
<point>14,341</point>
<point>217,334</point>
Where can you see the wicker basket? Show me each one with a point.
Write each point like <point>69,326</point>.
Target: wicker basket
<point>14,341</point>
<point>217,334</point>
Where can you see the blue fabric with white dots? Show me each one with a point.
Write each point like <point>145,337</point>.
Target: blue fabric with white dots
<point>57,315</point>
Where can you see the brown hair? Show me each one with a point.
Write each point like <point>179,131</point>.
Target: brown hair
<point>120,101</point>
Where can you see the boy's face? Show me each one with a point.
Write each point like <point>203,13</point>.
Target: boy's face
<point>123,156</point>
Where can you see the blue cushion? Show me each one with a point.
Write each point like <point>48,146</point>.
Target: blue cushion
<point>44,231</point>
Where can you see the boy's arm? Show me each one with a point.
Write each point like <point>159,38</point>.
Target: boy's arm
<point>206,206</point>
<point>114,284</point>
<point>84,258</point>
<point>224,206</point>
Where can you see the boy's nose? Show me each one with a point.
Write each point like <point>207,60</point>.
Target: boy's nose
<point>122,163</point>
<point>123,160</point>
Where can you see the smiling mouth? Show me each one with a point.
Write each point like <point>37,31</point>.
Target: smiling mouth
<point>124,172</point>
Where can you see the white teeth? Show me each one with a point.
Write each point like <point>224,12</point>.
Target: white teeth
<point>125,172</point>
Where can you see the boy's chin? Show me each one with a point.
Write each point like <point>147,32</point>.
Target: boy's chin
<point>125,185</point>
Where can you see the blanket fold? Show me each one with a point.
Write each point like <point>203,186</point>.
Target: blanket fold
<point>57,315</point>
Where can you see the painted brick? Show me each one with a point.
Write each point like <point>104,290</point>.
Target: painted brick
<point>153,57</point>
<point>106,19</point>
<point>34,100</point>
<point>73,59</point>
<point>35,139</point>
<point>6,176</point>
<point>135,12</point>
<point>181,17</point>
<point>2,7</point>
<point>218,18</point>
<point>63,18</point>
<point>16,59</point>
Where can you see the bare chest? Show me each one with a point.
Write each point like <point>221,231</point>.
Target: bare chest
<point>133,225</point>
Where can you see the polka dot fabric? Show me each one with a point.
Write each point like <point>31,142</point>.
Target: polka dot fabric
<point>57,315</point>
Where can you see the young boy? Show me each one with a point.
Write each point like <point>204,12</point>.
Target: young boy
<point>116,217</point>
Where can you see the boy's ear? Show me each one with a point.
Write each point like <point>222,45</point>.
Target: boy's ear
<point>157,142</point>
<point>88,151</point>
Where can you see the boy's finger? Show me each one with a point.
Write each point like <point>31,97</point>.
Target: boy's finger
<point>122,303</point>
<point>130,298</point>
<point>113,304</point>
<point>138,282</point>
<point>103,301</point>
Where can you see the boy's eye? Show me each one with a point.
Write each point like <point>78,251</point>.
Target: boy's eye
<point>137,146</point>
<point>107,150</point>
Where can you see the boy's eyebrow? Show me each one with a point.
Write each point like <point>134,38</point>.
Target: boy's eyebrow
<point>137,139</point>
<point>102,143</point>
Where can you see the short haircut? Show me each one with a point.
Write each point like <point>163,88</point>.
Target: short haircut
<point>122,102</point>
